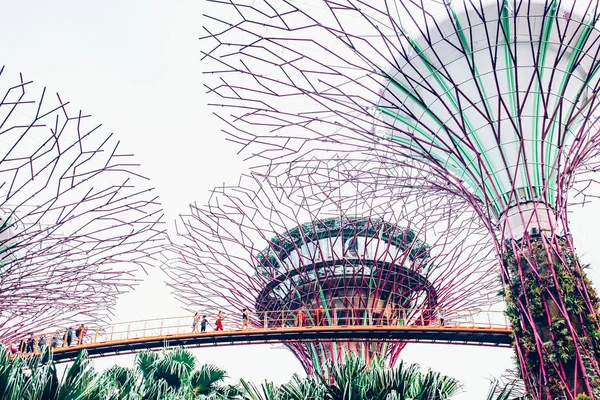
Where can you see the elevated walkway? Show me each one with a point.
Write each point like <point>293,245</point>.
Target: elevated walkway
<point>467,327</point>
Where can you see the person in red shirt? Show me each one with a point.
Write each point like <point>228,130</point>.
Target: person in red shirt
<point>80,333</point>
<point>219,322</point>
<point>300,318</point>
<point>319,316</point>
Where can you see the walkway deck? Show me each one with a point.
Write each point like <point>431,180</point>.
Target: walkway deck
<point>470,327</point>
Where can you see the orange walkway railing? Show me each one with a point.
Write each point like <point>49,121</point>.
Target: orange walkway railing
<point>391,319</point>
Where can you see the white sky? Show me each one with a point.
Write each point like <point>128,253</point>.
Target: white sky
<point>135,66</point>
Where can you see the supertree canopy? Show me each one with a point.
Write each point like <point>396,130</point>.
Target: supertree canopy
<point>496,100</point>
<point>276,249</point>
<point>76,218</point>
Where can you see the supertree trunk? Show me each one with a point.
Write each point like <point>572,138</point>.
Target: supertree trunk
<point>553,310</point>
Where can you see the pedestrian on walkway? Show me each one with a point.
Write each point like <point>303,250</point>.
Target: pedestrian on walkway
<point>203,324</point>
<point>441,316</point>
<point>78,334</point>
<point>319,316</point>
<point>244,319</point>
<point>300,318</point>
<point>55,340</point>
<point>30,344</point>
<point>69,335</point>
<point>195,323</point>
<point>42,342</point>
<point>219,321</point>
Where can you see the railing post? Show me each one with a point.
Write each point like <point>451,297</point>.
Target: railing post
<point>112,330</point>
<point>282,319</point>
<point>161,327</point>
<point>144,332</point>
<point>96,335</point>
<point>265,320</point>
<point>128,326</point>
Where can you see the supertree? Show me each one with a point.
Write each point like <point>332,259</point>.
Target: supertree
<point>276,247</point>
<point>493,101</point>
<point>77,219</point>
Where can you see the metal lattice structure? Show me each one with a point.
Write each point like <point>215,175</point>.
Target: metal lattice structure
<point>495,102</point>
<point>269,246</point>
<point>77,219</point>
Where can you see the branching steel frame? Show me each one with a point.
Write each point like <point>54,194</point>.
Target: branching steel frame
<point>78,220</point>
<point>235,252</point>
<point>495,102</point>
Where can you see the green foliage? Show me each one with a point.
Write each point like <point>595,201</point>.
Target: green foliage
<point>499,392</point>
<point>545,283</point>
<point>36,378</point>
<point>169,375</point>
<point>172,375</point>
<point>204,381</point>
<point>119,383</point>
<point>358,380</point>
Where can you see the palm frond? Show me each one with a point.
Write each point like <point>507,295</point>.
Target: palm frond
<point>204,380</point>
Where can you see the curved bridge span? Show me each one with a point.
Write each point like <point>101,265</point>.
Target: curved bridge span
<point>479,336</point>
<point>466,328</point>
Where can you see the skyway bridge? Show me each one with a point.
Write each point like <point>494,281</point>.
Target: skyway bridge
<point>466,327</point>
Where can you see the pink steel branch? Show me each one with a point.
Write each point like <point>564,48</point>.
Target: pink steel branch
<point>77,218</point>
<point>226,254</point>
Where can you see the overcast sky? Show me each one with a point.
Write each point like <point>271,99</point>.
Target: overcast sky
<point>135,66</point>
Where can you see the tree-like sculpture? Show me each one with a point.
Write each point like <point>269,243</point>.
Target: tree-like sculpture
<point>497,99</point>
<point>276,249</point>
<point>77,220</point>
